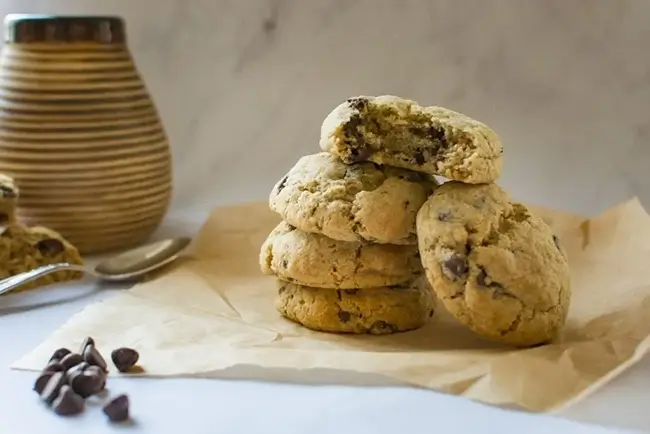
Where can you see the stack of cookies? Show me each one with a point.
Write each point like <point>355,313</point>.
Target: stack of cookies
<point>365,219</point>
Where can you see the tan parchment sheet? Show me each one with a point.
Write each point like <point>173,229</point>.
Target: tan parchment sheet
<point>212,315</point>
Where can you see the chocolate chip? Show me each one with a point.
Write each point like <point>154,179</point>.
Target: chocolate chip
<point>556,240</point>
<point>72,359</point>
<point>482,279</point>
<point>455,266</point>
<point>344,316</point>
<point>87,383</point>
<point>358,103</point>
<point>59,354</point>
<point>50,246</point>
<point>283,183</point>
<point>76,369</point>
<point>54,366</point>
<point>437,134</point>
<point>85,343</point>
<point>284,263</point>
<point>117,409</point>
<point>52,387</point>
<point>358,149</point>
<point>383,326</point>
<point>68,403</point>
<point>7,192</point>
<point>444,216</point>
<point>418,156</point>
<point>93,357</point>
<point>4,219</point>
<point>99,373</point>
<point>41,381</point>
<point>431,312</point>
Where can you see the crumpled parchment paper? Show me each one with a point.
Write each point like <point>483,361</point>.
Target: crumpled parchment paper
<point>212,315</point>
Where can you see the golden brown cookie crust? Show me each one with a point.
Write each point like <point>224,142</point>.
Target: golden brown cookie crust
<point>399,132</point>
<point>355,203</point>
<point>496,267</point>
<point>315,260</point>
<point>373,311</point>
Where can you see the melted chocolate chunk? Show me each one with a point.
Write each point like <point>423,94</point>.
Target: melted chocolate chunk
<point>344,316</point>
<point>437,134</point>
<point>4,219</point>
<point>485,281</point>
<point>444,216</point>
<point>50,246</point>
<point>7,192</point>
<point>418,156</point>
<point>358,103</point>
<point>283,183</point>
<point>358,149</point>
<point>455,266</point>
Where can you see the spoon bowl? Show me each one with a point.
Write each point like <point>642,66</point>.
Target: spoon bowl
<point>124,266</point>
<point>141,260</point>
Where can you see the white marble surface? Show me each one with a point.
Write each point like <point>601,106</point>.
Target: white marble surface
<point>242,87</point>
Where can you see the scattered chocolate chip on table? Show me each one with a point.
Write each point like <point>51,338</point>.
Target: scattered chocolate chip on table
<point>117,409</point>
<point>69,378</point>
<point>124,358</point>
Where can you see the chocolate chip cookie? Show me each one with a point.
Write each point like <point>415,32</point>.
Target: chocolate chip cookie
<point>398,132</point>
<point>8,199</point>
<point>25,248</point>
<point>382,310</point>
<point>496,267</point>
<point>357,202</point>
<point>315,260</point>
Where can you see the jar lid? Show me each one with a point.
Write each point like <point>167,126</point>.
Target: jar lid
<point>26,28</point>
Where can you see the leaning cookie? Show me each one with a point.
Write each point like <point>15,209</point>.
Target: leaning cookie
<point>315,260</point>
<point>381,310</point>
<point>496,267</point>
<point>398,132</point>
<point>358,202</point>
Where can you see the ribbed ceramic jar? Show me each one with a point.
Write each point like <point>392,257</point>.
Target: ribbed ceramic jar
<point>79,131</point>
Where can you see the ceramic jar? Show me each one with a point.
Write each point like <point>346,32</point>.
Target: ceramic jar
<point>79,132</point>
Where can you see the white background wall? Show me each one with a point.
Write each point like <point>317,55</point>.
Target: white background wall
<point>243,85</point>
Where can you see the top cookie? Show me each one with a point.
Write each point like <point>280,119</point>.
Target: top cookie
<point>496,267</point>
<point>398,132</point>
<point>358,202</point>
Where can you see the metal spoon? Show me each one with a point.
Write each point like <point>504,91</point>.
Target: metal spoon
<point>124,266</point>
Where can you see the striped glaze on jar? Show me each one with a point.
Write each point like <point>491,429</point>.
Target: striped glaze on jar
<point>79,132</point>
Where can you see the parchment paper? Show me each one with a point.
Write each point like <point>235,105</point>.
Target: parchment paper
<point>213,316</point>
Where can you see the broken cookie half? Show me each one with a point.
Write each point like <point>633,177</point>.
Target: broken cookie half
<point>25,248</point>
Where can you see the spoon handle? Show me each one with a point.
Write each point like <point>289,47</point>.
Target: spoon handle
<point>13,282</point>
